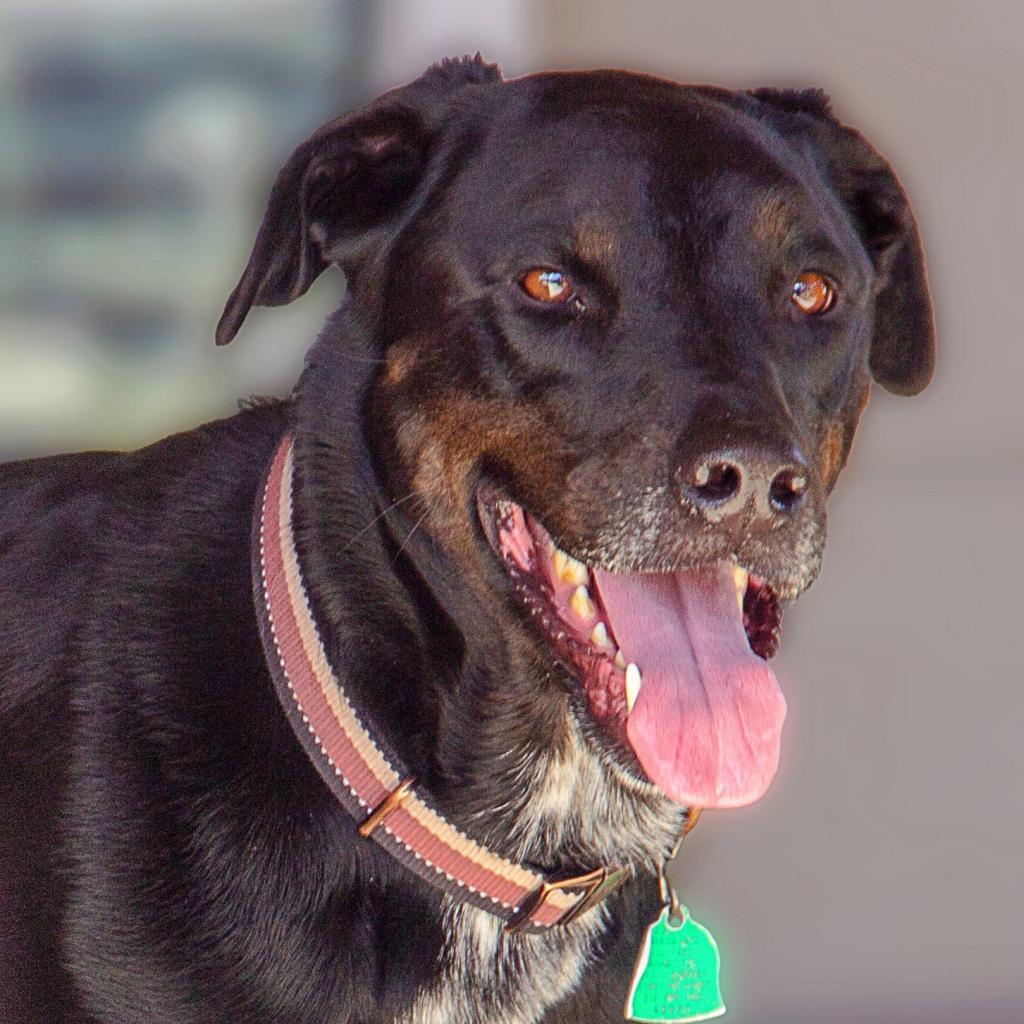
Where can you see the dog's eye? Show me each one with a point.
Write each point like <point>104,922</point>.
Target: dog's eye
<point>547,285</point>
<point>813,293</point>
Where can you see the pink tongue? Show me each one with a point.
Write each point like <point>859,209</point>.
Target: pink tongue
<point>707,723</point>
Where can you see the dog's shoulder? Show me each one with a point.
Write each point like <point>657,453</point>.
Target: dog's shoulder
<point>50,510</point>
<point>67,521</point>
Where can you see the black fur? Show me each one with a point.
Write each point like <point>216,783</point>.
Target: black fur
<point>169,854</point>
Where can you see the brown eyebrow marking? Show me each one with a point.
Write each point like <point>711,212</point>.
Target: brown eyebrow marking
<point>773,222</point>
<point>594,242</point>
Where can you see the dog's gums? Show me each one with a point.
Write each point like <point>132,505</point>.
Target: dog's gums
<point>553,588</point>
<point>581,612</point>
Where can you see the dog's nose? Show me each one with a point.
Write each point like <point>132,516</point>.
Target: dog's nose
<point>723,481</point>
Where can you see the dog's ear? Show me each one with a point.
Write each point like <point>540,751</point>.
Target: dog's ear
<point>353,176</point>
<point>903,347</point>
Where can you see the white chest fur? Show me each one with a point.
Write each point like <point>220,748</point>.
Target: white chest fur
<point>488,976</point>
<point>575,800</point>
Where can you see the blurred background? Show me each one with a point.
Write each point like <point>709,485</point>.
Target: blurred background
<point>881,878</point>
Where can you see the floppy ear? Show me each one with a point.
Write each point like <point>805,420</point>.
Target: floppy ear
<point>353,176</point>
<point>903,346</point>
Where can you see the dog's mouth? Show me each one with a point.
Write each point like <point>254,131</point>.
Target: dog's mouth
<point>672,664</point>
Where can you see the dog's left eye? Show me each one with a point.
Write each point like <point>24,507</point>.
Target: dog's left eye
<point>547,285</point>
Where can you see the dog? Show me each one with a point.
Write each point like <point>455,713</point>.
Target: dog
<point>514,554</point>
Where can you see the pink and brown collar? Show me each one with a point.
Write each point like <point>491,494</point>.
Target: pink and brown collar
<point>358,766</point>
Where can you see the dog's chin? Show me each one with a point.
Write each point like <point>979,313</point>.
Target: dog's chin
<point>704,734</point>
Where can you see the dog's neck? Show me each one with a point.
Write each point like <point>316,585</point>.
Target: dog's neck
<point>482,723</point>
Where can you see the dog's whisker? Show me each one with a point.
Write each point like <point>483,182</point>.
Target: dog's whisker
<point>367,361</point>
<point>408,536</point>
<point>377,518</point>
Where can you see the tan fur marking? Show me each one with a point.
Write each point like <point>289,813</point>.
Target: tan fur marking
<point>594,242</point>
<point>837,436</point>
<point>772,224</point>
<point>440,442</point>
<point>830,453</point>
<point>400,360</point>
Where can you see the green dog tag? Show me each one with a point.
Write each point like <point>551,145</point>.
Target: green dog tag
<point>676,975</point>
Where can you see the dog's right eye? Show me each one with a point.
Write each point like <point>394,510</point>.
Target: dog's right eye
<point>813,293</point>
<point>547,285</point>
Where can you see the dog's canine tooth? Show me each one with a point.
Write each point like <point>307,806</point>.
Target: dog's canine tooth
<point>599,636</point>
<point>633,683</point>
<point>620,661</point>
<point>558,560</point>
<point>568,569</point>
<point>581,603</point>
<point>740,577</point>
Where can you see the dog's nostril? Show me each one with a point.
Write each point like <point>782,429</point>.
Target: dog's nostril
<point>788,490</point>
<point>717,481</point>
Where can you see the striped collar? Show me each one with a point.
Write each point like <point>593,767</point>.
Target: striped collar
<point>358,766</point>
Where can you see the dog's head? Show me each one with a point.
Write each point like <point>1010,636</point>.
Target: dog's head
<point>625,331</point>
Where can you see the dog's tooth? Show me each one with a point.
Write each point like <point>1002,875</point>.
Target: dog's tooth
<point>599,636</point>
<point>620,661</point>
<point>575,572</point>
<point>558,560</point>
<point>581,603</point>
<point>740,576</point>
<point>568,569</point>
<point>633,683</point>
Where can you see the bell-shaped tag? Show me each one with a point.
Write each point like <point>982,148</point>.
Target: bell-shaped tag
<point>676,978</point>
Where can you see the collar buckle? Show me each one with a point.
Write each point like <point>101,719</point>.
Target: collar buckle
<point>596,885</point>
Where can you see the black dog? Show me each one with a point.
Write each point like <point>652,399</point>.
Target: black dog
<point>643,315</point>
